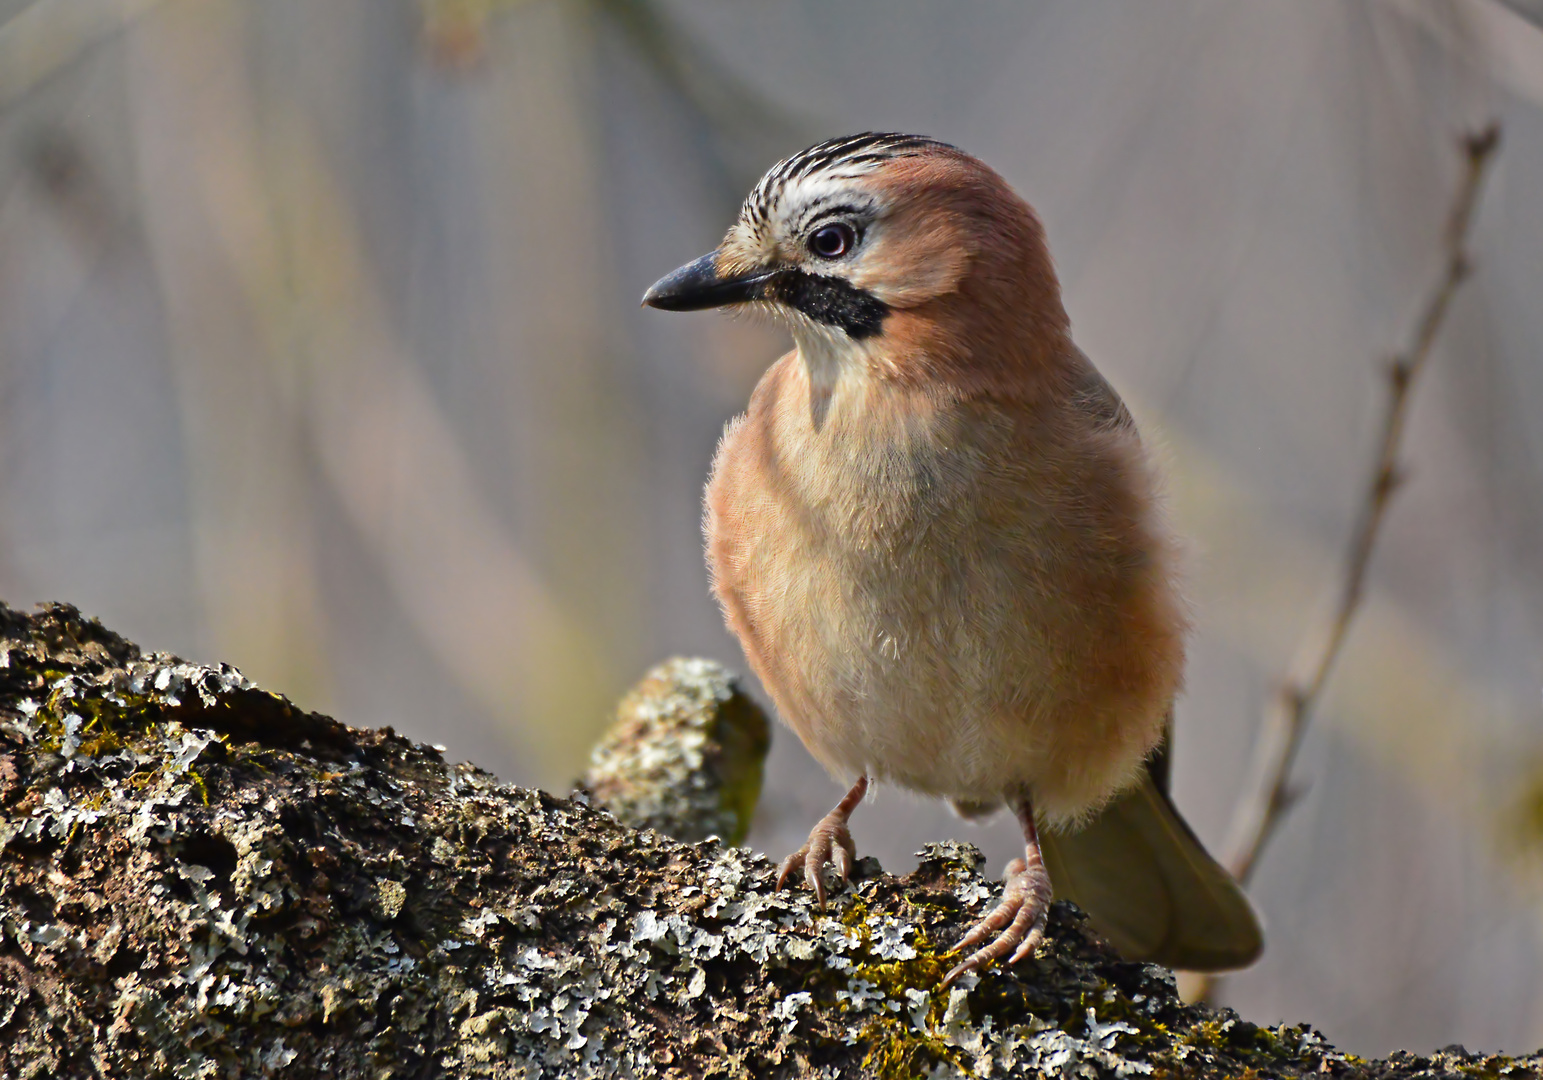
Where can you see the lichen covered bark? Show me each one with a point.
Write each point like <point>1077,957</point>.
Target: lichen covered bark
<point>198,879</point>
<point>684,754</point>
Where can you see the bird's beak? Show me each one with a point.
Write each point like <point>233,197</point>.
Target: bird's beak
<point>698,285</point>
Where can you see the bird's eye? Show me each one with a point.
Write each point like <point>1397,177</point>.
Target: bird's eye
<point>832,241</point>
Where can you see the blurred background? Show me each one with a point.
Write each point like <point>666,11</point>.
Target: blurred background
<point>320,353</point>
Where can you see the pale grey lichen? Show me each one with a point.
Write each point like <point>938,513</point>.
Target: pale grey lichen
<point>684,754</point>
<point>199,880</point>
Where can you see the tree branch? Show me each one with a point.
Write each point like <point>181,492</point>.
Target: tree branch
<point>1269,796</point>
<point>198,878</point>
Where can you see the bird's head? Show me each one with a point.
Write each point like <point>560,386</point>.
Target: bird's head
<point>876,236</point>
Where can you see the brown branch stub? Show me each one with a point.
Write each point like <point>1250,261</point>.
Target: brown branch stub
<point>1264,802</point>
<point>685,754</point>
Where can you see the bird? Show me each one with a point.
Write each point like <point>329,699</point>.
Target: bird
<point>939,539</point>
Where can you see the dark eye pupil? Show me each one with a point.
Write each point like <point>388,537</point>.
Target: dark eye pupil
<point>831,241</point>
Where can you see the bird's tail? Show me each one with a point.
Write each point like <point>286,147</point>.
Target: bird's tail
<point>1149,886</point>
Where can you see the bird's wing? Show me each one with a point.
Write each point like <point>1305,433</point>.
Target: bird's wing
<point>1149,886</point>
<point>1160,763</point>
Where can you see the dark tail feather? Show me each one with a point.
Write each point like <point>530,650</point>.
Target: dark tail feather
<point>1149,886</point>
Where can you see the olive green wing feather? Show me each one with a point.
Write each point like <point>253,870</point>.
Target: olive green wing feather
<point>1150,887</point>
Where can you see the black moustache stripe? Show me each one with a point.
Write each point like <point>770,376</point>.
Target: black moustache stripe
<point>830,300</point>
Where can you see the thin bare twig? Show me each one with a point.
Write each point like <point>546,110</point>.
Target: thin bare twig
<point>1269,795</point>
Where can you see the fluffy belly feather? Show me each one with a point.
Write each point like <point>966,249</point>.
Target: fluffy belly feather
<point>914,625</point>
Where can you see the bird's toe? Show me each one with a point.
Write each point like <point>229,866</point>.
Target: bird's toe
<point>829,845</point>
<point>791,866</point>
<point>1014,928</point>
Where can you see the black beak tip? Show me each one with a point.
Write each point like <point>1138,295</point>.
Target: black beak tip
<point>656,296</point>
<point>689,287</point>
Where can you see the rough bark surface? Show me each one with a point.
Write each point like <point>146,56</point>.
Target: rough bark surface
<point>684,754</point>
<point>198,878</point>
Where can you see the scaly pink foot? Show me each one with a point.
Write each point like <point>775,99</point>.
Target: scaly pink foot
<point>1018,923</point>
<point>829,843</point>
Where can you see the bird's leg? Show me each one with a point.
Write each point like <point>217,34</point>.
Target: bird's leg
<point>1018,923</point>
<point>829,840</point>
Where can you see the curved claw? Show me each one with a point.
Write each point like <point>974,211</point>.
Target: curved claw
<point>1001,916</point>
<point>829,844</point>
<point>1015,926</point>
<point>790,866</point>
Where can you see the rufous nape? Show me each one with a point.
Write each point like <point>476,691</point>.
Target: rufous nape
<point>936,534</point>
